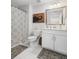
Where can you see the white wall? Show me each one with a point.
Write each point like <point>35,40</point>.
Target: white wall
<point>18,27</point>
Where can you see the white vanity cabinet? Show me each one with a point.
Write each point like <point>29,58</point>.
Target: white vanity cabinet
<point>55,40</point>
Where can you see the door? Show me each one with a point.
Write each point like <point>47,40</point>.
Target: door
<point>47,41</point>
<point>61,44</point>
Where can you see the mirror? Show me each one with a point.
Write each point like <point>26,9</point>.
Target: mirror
<point>54,16</point>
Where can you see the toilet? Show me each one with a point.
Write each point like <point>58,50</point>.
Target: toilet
<point>34,39</point>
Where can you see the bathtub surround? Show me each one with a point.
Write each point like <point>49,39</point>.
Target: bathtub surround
<point>18,27</point>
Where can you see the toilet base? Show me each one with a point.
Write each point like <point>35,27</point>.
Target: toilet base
<point>34,44</point>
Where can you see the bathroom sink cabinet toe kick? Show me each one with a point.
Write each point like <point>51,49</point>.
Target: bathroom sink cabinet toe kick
<point>55,40</point>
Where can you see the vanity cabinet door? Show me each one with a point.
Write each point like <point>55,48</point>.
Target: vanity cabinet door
<point>47,41</point>
<point>61,44</point>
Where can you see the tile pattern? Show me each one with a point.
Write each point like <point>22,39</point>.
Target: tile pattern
<point>18,26</point>
<point>30,53</point>
<point>17,50</point>
<point>47,54</point>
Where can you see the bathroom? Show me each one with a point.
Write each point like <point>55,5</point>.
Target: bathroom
<point>32,39</point>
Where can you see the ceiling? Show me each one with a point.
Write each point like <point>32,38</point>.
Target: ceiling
<point>23,4</point>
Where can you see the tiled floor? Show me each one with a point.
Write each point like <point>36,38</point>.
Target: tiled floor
<point>39,53</point>
<point>17,50</point>
<point>47,54</point>
<point>30,53</point>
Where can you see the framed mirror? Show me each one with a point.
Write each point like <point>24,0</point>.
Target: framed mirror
<point>54,16</point>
